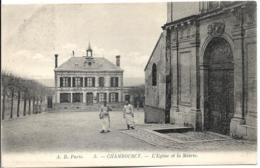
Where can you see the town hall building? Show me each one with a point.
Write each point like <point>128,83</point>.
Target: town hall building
<point>202,71</point>
<point>87,81</point>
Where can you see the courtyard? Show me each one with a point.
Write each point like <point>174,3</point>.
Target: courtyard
<point>79,131</point>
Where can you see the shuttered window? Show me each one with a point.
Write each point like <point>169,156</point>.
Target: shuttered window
<point>113,97</point>
<point>77,82</point>
<point>114,81</point>
<point>90,82</point>
<point>101,97</point>
<point>64,81</point>
<point>101,81</point>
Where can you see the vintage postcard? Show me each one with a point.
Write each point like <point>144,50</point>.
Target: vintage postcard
<point>124,83</point>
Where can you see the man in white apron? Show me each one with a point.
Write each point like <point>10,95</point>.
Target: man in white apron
<point>105,117</point>
<point>128,114</point>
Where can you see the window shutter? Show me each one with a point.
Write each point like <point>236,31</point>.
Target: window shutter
<point>61,81</point>
<point>116,82</point>
<point>109,97</point>
<point>69,80</point>
<point>102,81</point>
<point>116,97</point>
<point>93,80</point>
<point>98,97</point>
<point>73,82</point>
<point>111,81</point>
<point>86,82</point>
<point>99,83</point>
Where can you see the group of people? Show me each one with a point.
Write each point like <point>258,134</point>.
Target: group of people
<point>128,115</point>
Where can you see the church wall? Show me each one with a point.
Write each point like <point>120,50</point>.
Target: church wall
<point>184,75</point>
<point>189,38</point>
<point>155,95</point>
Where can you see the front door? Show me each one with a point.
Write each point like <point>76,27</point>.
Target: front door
<point>49,101</point>
<point>220,86</point>
<point>89,98</point>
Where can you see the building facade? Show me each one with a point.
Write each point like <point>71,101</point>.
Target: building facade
<point>210,77</point>
<point>87,81</point>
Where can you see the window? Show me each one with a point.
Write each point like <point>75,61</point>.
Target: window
<point>77,97</point>
<point>114,82</point>
<point>90,82</point>
<point>102,97</point>
<point>65,97</point>
<point>113,97</point>
<point>65,82</point>
<point>77,82</point>
<point>154,75</point>
<point>101,81</point>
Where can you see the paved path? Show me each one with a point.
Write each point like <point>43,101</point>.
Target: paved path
<point>79,131</point>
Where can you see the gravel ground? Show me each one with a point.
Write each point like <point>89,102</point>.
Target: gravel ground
<point>75,131</point>
<point>79,131</point>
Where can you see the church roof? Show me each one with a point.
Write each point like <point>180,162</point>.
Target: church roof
<point>88,65</point>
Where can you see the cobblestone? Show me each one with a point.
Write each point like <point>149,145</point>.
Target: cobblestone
<point>190,141</point>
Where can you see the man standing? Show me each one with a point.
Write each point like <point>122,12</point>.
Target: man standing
<point>105,117</point>
<point>128,114</point>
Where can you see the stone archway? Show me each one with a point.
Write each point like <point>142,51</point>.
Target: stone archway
<point>219,80</point>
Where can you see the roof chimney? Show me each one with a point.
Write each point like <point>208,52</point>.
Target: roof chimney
<point>56,60</point>
<point>118,60</point>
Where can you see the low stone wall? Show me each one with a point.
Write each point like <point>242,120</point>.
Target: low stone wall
<point>154,114</point>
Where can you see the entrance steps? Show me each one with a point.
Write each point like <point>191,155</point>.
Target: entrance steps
<point>167,128</point>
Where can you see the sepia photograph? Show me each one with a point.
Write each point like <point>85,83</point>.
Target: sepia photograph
<point>106,84</point>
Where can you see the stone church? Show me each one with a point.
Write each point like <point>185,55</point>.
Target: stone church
<point>202,71</point>
<point>87,81</point>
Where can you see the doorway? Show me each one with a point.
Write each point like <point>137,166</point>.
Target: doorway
<point>219,99</point>
<point>89,98</point>
<point>49,101</point>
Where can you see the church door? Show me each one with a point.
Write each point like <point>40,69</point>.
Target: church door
<point>220,100</point>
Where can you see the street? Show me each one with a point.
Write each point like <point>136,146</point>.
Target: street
<point>80,131</point>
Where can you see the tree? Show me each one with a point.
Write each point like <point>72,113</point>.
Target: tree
<point>13,87</point>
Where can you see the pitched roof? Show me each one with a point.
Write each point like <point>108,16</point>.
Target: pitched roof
<point>81,64</point>
<point>157,43</point>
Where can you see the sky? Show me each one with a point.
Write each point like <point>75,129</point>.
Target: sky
<point>32,34</point>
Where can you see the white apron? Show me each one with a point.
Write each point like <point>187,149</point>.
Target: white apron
<point>104,118</point>
<point>128,110</point>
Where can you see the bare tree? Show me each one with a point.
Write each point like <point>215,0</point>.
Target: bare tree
<point>14,87</point>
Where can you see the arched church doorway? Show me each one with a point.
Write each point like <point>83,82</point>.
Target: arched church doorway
<point>219,97</point>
